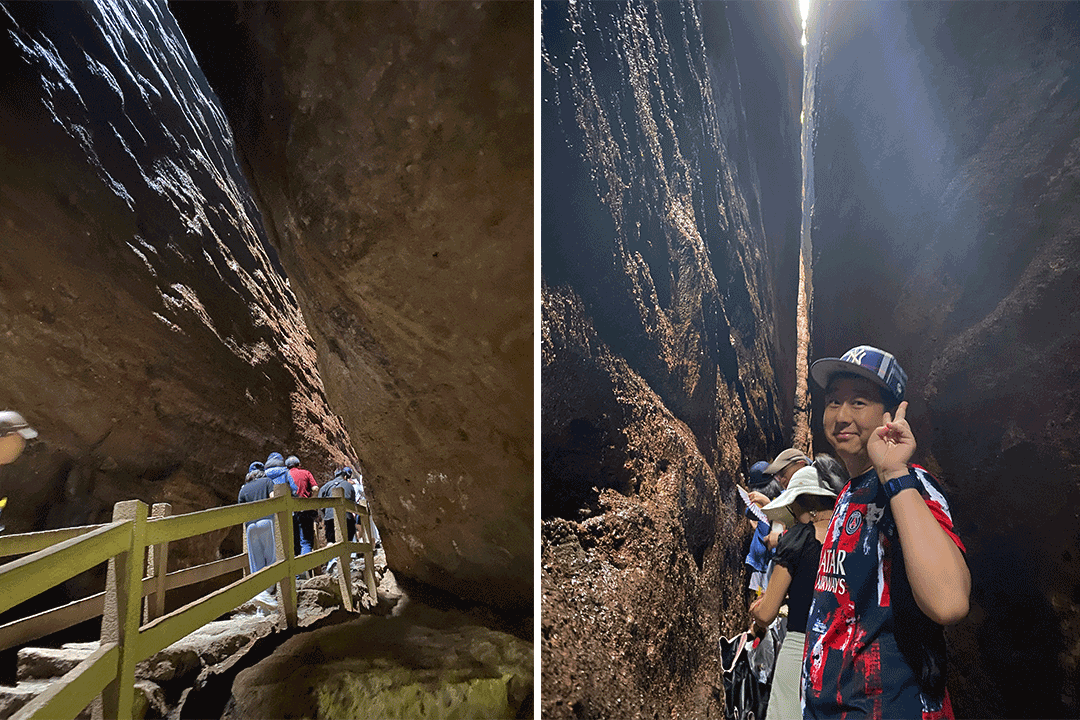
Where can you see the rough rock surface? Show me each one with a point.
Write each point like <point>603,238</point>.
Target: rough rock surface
<point>947,229</point>
<point>390,146</point>
<point>148,331</point>
<point>658,339</point>
<point>419,663</point>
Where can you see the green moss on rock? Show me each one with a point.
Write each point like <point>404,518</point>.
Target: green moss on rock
<point>397,693</point>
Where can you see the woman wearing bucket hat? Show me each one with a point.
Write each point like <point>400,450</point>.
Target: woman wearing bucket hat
<point>806,506</point>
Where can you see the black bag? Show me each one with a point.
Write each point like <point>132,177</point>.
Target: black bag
<point>745,696</point>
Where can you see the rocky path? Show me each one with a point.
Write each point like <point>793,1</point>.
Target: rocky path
<point>194,671</point>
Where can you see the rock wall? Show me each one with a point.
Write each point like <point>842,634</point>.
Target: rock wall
<point>946,230</point>
<point>147,329</point>
<point>390,147</point>
<point>659,349</point>
<point>165,323</point>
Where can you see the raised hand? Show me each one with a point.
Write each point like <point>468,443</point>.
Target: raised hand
<point>758,499</point>
<point>892,445</point>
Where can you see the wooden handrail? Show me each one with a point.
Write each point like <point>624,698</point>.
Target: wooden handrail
<point>23,630</point>
<point>32,542</point>
<point>28,576</point>
<point>87,679</point>
<point>181,527</point>
<point>183,621</point>
<point>109,674</point>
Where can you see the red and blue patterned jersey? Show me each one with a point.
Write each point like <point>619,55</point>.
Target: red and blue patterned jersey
<point>870,651</point>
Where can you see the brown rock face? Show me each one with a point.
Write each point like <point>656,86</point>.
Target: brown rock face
<point>658,344</point>
<point>147,329</point>
<point>946,230</point>
<point>150,331</point>
<point>390,146</point>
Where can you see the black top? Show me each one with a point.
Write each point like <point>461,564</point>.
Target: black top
<point>799,552</point>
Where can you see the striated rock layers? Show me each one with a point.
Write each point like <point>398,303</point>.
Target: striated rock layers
<point>390,148</point>
<point>146,327</point>
<point>659,377</point>
<point>947,229</point>
<point>150,332</point>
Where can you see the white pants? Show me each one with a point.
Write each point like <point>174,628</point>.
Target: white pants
<point>787,679</point>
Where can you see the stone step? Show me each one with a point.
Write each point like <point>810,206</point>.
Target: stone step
<point>13,698</point>
<point>45,663</point>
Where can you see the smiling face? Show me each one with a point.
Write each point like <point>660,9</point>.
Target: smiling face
<point>853,410</point>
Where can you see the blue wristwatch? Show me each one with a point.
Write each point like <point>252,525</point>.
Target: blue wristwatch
<point>892,487</point>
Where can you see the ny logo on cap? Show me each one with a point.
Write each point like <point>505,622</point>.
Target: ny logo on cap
<point>855,355</point>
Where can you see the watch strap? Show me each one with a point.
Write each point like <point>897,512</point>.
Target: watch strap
<point>894,486</point>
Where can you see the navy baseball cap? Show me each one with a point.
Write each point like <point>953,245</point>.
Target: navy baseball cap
<point>877,366</point>
<point>758,478</point>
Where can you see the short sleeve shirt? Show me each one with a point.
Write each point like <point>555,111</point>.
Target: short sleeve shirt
<point>798,551</point>
<point>870,652</point>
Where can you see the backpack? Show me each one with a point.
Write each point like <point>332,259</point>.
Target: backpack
<point>745,696</point>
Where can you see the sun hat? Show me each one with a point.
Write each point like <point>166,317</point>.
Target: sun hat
<point>758,478</point>
<point>11,421</point>
<point>784,459</point>
<point>803,482</point>
<point>877,366</point>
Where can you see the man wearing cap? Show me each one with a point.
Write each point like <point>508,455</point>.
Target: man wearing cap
<point>259,533</point>
<point>892,569</point>
<point>303,520</point>
<point>340,480</point>
<point>14,432</point>
<point>781,469</point>
<point>785,465</point>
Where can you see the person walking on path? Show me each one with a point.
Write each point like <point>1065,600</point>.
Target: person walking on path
<point>277,472</point>
<point>303,520</point>
<point>339,481</point>
<point>14,432</point>
<point>892,569</point>
<point>260,532</point>
<point>810,502</point>
<point>781,469</point>
<point>356,479</point>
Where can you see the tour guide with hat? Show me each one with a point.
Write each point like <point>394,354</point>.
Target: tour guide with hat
<point>781,469</point>
<point>14,432</point>
<point>892,569</point>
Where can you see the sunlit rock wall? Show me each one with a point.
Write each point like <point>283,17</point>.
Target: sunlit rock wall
<point>146,328</point>
<point>390,149</point>
<point>670,140</point>
<point>947,229</point>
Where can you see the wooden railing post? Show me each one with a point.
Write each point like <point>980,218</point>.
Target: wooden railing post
<point>243,534</point>
<point>341,529</point>
<point>120,620</point>
<point>283,535</point>
<point>369,554</point>
<point>157,567</point>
